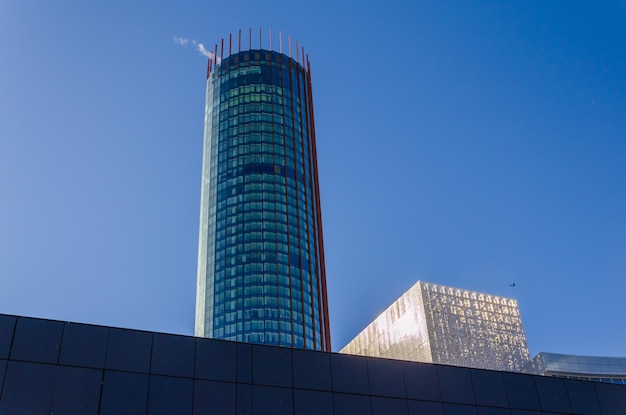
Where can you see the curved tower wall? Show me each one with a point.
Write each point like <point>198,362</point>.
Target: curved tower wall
<point>261,276</point>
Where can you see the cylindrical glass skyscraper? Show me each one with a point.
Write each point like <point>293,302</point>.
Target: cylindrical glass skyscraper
<point>261,276</point>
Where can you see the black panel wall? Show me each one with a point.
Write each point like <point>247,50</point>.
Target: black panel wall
<point>67,368</point>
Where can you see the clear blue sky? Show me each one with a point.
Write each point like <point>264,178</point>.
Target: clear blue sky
<point>468,143</point>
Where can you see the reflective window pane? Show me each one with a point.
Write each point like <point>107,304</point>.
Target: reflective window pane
<point>124,393</point>
<point>612,398</point>
<point>271,366</point>
<point>129,350</point>
<point>349,373</point>
<point>7,326</point>
<point>214,398</point>
<point>386,406</point>
<point>456,384</point>
<point>311,370</point>
<point>3,366</point>
<point>346,404</point>
<point>489,388</point>
<point>582,397</point>
<point>37,388</point>
<point>422,381</point>
<point>170,395</point>
<point>216,360</point>
<point>76,390</point>
<point>244,363</point>
<point>84,345</point>
<point>489,410</point>
<point>386,378</point>
<point>552,394</point>
<point>172,355</point>
<point>425,407</point>
<point>37,340</point>
<point>244,399</point>
<point>309,402</point>
<point>521,391</point>
<point>268,400</point>
<point>458,409</point>
<point>28,388</point>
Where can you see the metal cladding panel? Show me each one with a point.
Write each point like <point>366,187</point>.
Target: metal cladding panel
<point>399,332</point>
<point>438,324</point>
<point>259,379</point>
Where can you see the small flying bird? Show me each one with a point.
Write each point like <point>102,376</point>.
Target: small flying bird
<point>512,285</point>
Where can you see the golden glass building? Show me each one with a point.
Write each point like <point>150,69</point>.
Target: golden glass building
<point>439,324</point>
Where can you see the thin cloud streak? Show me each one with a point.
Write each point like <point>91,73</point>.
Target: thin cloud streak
<point>198,46</point>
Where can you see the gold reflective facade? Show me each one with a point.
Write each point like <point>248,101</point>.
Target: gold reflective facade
<point>439,324</point>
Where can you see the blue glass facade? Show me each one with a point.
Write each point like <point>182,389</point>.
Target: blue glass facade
<point>261,272</point>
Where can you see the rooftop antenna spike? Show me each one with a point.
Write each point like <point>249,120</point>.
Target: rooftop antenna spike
<point>239,49</point>
<point>307,58</point>
<point>280,40</point>
<point>230,45</point>
<point>270,38</point>
<point>222,53</point>
<point>260,38</point>
<point>250,40</point>
<point>215,55</point>
<point>297,54</point>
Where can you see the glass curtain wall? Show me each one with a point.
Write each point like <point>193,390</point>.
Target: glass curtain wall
<point>261,274</point>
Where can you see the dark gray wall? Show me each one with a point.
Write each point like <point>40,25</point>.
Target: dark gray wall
<point>50,367</point>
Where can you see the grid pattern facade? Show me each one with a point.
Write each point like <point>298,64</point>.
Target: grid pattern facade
<point>261,276</point>
<point>51,367</point>
<point>440,324</point>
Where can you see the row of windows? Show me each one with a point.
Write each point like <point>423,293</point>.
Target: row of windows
<point>268,236</point>
<point>270,263</point>
<point>252,63</point>
<point>228,243</point>
<point>284,156</point>
<point>232,139</point>
<point>258,226</point>
<point>267,212</point>
<point>303,217</point>
<point>278,101</point>
<point>271,290</point>
<point>242,253</point>
<point>267,338</point>
<point>270,74</point>
<point>296,298</point>
<point>274,153</point>
<point>264,257</point>
<point>255,250</point>
<point>236,223</point>
<point>286,314</point>
<point>271,57</point>
<point>265,327</point>
<point>274,298</point>
<point>269,148</point>
<point>226,306</point>
<point>234,269</point>
<point>223,281</point>
<point>262,171</point>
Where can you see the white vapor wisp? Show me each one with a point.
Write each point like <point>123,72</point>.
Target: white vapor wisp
<point>199,47</point>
